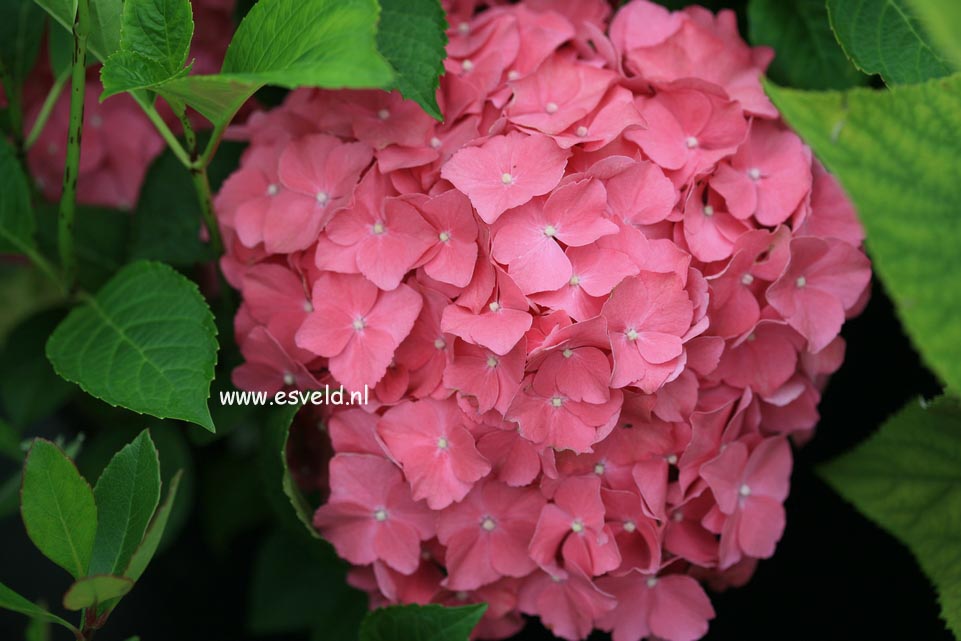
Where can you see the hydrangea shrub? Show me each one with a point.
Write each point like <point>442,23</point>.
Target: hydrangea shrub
<point>593,307</point>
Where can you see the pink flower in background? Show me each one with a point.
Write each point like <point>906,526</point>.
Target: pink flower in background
<point>591,306</point>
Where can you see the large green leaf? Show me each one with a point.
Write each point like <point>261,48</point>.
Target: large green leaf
<point>146,342</point>
<point>942,19</point>
<point>21,25</point>
<point>29,388</point>
<point>421,622</point>
<point>290,43</point>
<point>16,216</point>
<point>155,532</point>
<point>127,494</point>
<point>95,589</point>
<point>154,43</point>
<point>105,20</point>
<point>806,54</point>
<point>10,600</point>
<point>412,36</point>
<point>885,37</point>
<point>58,508</point>
<point>898,155</point>
<point>907,478</point>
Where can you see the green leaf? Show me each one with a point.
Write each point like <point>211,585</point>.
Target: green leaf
<point>300,584</point>
<point>885,37</point>
<point>16,217</point>
<point>105,19</point>
<point>412,36</point>
<point>127,494</point>
<point>326,43</point>
<point>154,42</point>
<point>58,508</point>
<point>166,224</point>
<point>155,531</point>
<point>942,19</point>
<point>421,622</point>
<point>898,153</point>
<point>21,26</point>
<point>29,388</point>
<point>10,600</point>
<point>93,590</point>
<point>907,478</point>
<point>146,342</point>
<point>282,491</point>
<point>807,55</point>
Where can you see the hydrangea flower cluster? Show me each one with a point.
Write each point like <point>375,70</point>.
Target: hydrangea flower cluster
<point>592,307</point>
<point>112,166</point>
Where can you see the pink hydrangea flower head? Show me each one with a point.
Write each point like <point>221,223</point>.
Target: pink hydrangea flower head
<point>590,308</point>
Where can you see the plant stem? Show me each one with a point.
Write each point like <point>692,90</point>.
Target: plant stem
<point>45,110</point>
<point>206,199</point>
<point>68,200</point>
<point>213,144</point>
<point>167,135</point>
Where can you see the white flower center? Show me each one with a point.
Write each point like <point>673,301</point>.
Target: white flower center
<point>754,173</point>
<point>463,28</point>
<point>599,469</point>
<point>574,281</point>
<point>442,443</point>
<point>672,459</point>
<point>380,514</point>
<point>567,353</point>
<point>507,179</point>
<point>467,65</point>
<point>444,236</point>
<point>383,114</point>
<point>440,343</point>
<point>747,279</point>
<point>322,197</point>
<point>629,526</point>
<point>631,334</point>
<point>557,401</point>
<point>801,281</point>
<point>513,74</point>
<point>289,379</point>
<point>308,306</point>
<point>691,142</point>
<point>551,107</point>
<point>435,142</point>
<point>577,526</point>
<point>488,524</point>
<point>495,306</point>
<point>550,231</point>
<point>651,581</point>
<point>744,490</point>
<point>581,131</point>
<point>378,228</point>
<point>359,324</point>
<point>708,211</point>
<point>272,189</point>
<point>491,362</point>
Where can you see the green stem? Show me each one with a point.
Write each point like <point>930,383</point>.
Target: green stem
<point>68,200</point>
<point>206,199</point>
<point>167,135</point>
<point>213,144</point>
<point>45,110</point>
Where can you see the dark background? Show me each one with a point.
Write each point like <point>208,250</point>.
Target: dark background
<point>835,575</point>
